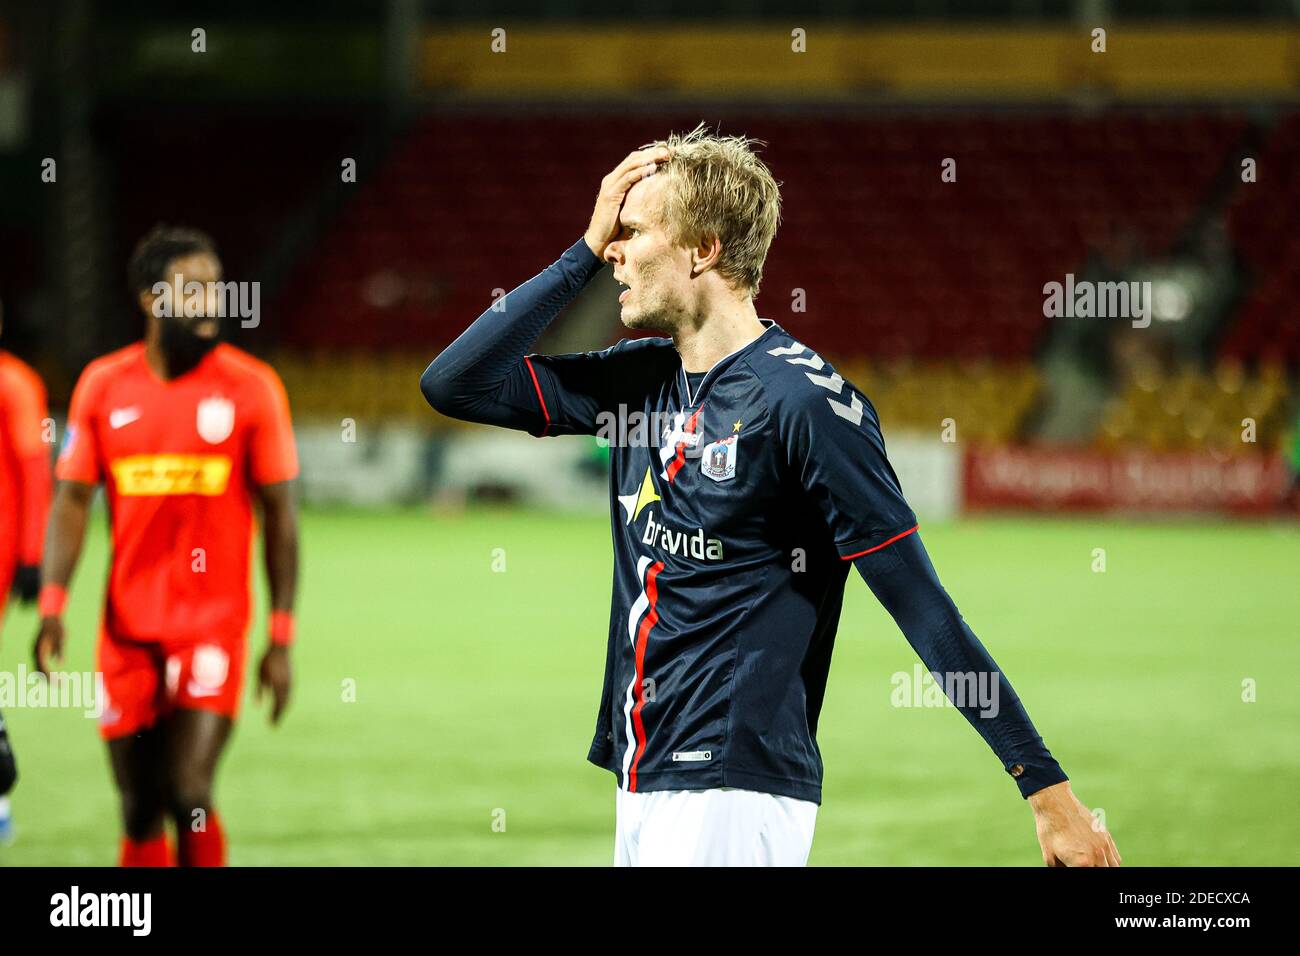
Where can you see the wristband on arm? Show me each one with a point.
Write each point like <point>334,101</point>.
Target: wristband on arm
<point>52,600</point>
<point>281,628</point>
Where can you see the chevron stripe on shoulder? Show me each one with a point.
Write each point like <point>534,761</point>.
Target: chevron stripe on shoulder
<point>799,354</point>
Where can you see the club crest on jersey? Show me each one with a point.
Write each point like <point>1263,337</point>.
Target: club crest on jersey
<point>216,419</point>
<point>718,460</point>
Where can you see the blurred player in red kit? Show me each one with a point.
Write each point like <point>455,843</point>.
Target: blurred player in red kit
<point>24,499</point>
<point>24,476</point>
<point>186,433</point>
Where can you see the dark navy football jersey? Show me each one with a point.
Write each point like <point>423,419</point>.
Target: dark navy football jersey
<point>736,507</point>
<point>738,499</point>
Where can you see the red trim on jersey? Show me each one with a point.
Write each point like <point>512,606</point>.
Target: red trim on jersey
<point>675,465</point>
<point>850,557</point>
<point>537,385</point>
<point>642,636</point>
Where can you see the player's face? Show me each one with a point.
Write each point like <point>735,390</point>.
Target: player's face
<point>205,269</point>
<point>189,329</point>
<point>656,271</point>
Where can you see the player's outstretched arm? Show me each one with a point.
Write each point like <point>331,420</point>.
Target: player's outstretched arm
<point>483,376</point>
<point>905,582</point>
<point>64,535</point>
<point>280,550</point>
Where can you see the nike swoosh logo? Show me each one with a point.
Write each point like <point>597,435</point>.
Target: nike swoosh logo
<point>121,417</point>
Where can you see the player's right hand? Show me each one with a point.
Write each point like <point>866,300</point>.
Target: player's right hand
<point>604,227</point>
<point>274,675</point>
<point>49,644</point>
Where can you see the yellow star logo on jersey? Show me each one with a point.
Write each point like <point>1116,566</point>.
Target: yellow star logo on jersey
<point>736,427</point>
<point>634,502</point>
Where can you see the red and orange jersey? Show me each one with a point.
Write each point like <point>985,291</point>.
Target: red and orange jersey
<point>179,460</point>
<point>24,467</point>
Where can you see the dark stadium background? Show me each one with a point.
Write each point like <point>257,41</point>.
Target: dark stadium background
<point>1109,505</point>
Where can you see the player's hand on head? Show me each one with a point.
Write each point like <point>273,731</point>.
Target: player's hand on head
<point>604,227</point>
<point>48,647</point>
<point>275,675</point>
<point>1068,832</point>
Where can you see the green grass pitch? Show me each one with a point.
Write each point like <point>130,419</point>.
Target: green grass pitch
<point>476,694</point>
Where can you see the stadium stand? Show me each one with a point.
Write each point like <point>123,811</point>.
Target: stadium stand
<point>1262,222</point>
<point>419,250</point>
<point>905,284</point>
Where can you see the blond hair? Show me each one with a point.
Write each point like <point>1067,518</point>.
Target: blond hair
<point>718,186</point>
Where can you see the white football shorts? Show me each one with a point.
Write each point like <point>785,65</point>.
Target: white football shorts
<point>720,827</point>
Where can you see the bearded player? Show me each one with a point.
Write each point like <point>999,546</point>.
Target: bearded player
<point>187,434</point>
<point>24,499</point>
<point>734,527</point>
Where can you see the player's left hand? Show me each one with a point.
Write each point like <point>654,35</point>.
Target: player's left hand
<point>27,583</point>
<point>275,675</point>
<point>1068,832</point>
